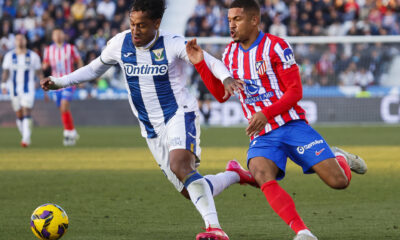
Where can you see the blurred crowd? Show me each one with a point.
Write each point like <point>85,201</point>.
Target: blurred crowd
<point>338,64</point>
<point>87,23</point>
<point>90,23</point>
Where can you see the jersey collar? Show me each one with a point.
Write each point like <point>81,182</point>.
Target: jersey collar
<point>255,43</point>
<point>151,43</point>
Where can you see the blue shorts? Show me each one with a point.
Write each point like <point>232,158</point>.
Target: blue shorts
<point>63,94</point>
<point>296,140</point>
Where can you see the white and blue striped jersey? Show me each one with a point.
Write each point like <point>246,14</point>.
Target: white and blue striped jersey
<point>22,69</point>
<point>154,77</point>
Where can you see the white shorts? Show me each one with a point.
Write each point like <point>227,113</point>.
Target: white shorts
<point>22,100</point>
<point>181,132</point>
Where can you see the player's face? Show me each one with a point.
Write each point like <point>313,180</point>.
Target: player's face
<point>143,28</point>
<point>58,36</point>
<point>241,24</point>
<point>20,41</point>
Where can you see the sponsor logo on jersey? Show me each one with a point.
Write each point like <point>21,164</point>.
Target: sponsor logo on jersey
<point>145,69</point>
<point>302,149</point>
<point>261,67</point>
<point>289,57</point>
<point>259,98</point>
<point>159,54</point>
<point>251,87</point>
<point>127,54</point>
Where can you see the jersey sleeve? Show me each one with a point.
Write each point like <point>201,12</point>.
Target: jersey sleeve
<point>109,55</point>
<point>36,61</point>
<point>46,56</point>
<point>7,61</point>
<point>75,53</point>
<point>283,57</point>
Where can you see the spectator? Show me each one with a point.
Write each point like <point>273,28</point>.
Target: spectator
<point>277,28</point>
<point>106,8</point>
<point>78,10</point>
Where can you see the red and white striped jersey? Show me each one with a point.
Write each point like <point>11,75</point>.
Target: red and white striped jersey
<point>61,59</point>
<point>261,67</point>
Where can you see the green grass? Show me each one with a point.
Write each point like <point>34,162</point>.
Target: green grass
<point>111,188</point>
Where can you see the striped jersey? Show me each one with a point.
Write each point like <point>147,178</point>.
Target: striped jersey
<point>22,69</point>
<point>154,77</point>
<point>61,59</point>
<point>261,67</point>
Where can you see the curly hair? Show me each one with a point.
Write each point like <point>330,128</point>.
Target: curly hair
<point>154,8</point>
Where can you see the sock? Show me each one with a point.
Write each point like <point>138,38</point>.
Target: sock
<point>26,129</point>
<point>283,205</point>
<point>201,196</point>
<point>67,120</point>
<point>345,166</point>
<point>19,125</point>
<point>221,181</point>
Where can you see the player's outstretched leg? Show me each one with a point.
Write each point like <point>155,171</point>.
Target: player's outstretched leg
<point>356,163</point>
<point>245,176</point>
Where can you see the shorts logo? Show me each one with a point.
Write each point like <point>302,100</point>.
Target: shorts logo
<point>302,149</point>
<point>317,153</point>
<point>175,142</point>
<point>159,54</point>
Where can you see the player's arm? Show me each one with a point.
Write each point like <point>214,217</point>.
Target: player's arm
<point>198,58</point>
<point>4,78</point>
<point>93,70</point>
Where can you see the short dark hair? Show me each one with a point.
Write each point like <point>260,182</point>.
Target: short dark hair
<point>247,5</point>
<point>154,8</point>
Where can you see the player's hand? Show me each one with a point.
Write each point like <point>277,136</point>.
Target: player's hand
<point>47,84</point>
<point>231,86</point>
<point>256,124</point>
<point>194,51</point>
<point>4,91</point>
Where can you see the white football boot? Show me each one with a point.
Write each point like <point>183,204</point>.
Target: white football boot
<point>356,163</point>
<point>305,235</point>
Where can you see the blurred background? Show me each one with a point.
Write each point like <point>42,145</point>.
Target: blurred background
<point>348,52</point>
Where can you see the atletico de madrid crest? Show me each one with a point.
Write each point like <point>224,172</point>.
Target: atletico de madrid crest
<point>261,67</point>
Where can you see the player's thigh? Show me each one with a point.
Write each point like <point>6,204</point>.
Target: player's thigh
<point>331,173</point>
<point>27,102</point>
<point>183,132</point>
<point>16,103</point>
<point>266,157</point>
<point>160,153</point>
<point>263,169</point>
<point>305,146</point>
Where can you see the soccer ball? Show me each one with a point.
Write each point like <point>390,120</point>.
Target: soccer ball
<point>49,222</point>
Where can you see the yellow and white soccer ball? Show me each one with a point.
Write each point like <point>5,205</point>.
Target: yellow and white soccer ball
<point>49,222</point>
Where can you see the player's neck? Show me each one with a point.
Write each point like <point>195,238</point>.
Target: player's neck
<point>20,51</point>
<point>59,44</point>
<point>253,37</point>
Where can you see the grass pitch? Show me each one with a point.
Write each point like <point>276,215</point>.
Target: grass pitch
<point>111,188</point>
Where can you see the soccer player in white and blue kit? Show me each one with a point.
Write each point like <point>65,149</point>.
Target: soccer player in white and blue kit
<point>167,113</point>
<point>20,67</point>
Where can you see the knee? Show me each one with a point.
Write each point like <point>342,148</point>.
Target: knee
<point>262,176</point>
<point>338,182</point>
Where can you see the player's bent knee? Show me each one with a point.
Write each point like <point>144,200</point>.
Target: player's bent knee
<point>339,182</point>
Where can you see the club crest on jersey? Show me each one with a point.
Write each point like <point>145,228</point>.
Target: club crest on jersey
<point>159,54</point>
<point>261,67</point>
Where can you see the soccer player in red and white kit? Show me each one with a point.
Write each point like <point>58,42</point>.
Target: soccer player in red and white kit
<point>62,58</point>
<point>267,79</point>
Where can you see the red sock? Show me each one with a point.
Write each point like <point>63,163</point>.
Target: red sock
<point>67,120</point>
<point>283,205</point>
<point>346,168</point>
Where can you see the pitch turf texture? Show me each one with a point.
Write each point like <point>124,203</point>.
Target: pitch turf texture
<point>111,188</point>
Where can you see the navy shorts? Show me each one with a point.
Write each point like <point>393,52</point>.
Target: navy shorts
<point>63,94</point>
<point>296,140</point>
